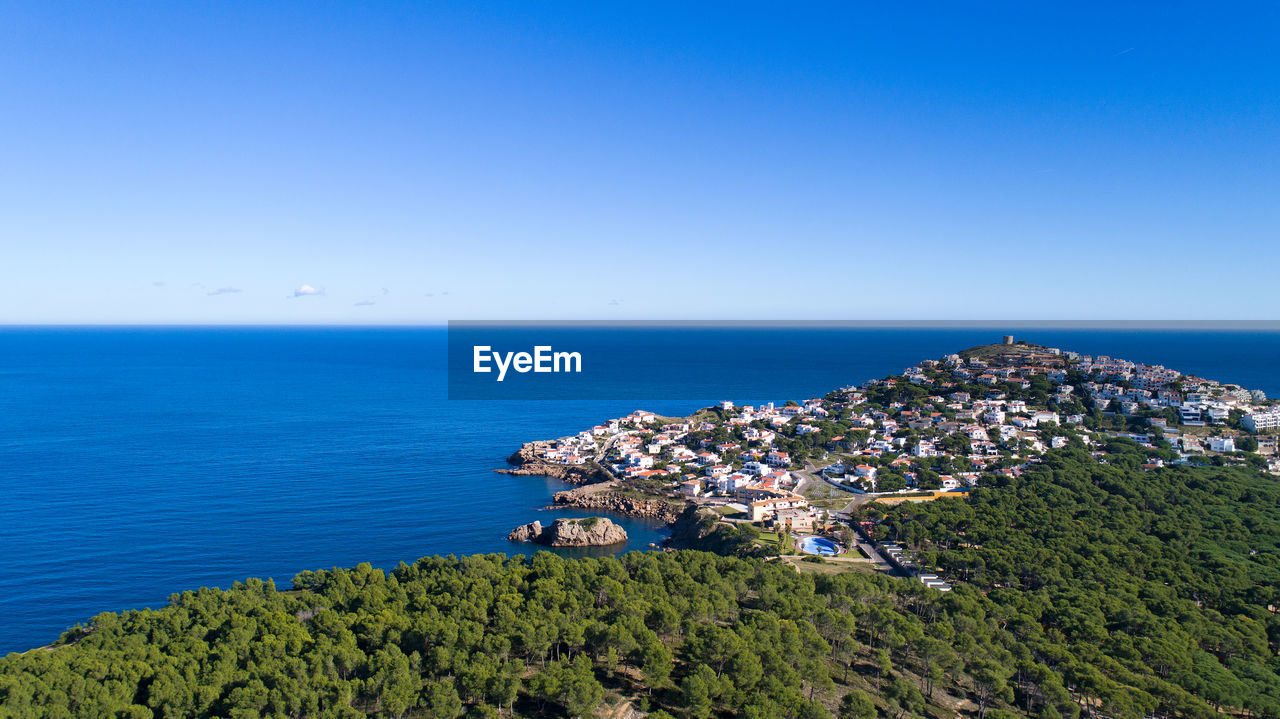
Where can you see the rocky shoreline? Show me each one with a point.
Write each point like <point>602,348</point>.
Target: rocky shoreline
<point>607,497</point>
<point>529,463</point>
<point>598,491</point>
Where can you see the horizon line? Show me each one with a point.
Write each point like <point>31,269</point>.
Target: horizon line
<point>1225,324</point>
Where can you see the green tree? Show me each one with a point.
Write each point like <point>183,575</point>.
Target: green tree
<point>395,683</point>
<point>442,700</point>
<point>857,705</point>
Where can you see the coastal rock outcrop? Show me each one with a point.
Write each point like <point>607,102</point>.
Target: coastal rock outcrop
<point>529,462</point>
<point>692,527</point>
<point>565,532</point>
<point>526,532</point>
<point>606,497</point>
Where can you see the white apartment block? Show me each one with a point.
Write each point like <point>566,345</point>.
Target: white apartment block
<point>1270,419</point>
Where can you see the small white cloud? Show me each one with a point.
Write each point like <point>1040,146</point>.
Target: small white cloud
<point>615,303</point>
<point>307,291</point>
<point>224,291</point>
<point>386,291</point>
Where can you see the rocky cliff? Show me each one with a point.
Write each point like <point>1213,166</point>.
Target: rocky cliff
<point>528,462</point>
<point>588,532</point>
<point>691,527</point>
<point>526,532</point>
<point>605,497</point>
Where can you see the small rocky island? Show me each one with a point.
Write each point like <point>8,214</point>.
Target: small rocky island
<point>566,532</point>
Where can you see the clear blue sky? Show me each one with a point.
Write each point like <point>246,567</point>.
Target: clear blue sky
<point>201,162</point>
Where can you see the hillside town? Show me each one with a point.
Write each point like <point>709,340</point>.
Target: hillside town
<point>935,430</point>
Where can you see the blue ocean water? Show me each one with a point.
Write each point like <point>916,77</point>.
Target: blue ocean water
<point>139,462</point>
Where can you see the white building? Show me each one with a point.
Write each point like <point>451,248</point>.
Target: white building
<point>1222,444</point>
<point>730,484</point>
<point>1268,419</point>
<point>924,449</point>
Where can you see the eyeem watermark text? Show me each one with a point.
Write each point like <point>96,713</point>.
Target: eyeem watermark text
<point>542,360</point>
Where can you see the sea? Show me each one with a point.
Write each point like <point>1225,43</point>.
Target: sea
<point>138,462</point>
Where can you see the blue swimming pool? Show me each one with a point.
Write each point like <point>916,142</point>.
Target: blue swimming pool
<point>818,545</point>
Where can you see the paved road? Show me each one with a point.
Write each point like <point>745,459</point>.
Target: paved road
<point>880,560</point>
<point>603,451</point>
<point>604,448</point>
<point>810,473</point>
